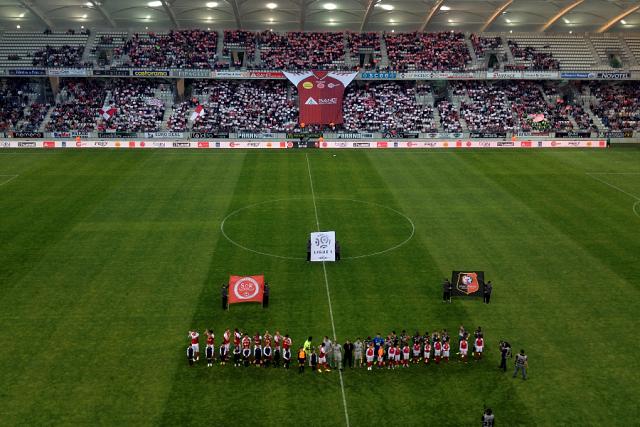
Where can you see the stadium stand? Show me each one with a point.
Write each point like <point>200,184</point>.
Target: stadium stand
<point>365,44</point>
<point>427,51</point>
<point>607,45</point>
<point>106,47</point>
<point>77,105</point>
<point>297,50</point>
<point>239,40</point>
<point>255,106</point>
<point>135,109</point>
<point>484,106</point>
<point>386,107</point>
<point>572,51</point>
<point>617,106</point>
<point>633,42</point>
<point>22,48</point>
<point>176,49</point>
<point>530,58</point>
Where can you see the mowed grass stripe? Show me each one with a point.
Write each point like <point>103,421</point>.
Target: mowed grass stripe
<point>445,205</point>
<point>298,306</point>
<point>375,295</point>
<point>568,278</point>
<point>136,272</point>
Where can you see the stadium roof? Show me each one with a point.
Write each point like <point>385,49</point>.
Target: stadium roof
<point>325,15</point>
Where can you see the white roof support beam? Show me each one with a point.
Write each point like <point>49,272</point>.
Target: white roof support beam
<point>33,8</point>
<point>169,11</point>
<point>105,14</point>
<point>495,14</point>
<point>561,14</point>
<point>236,12</point>
<point>431,14</point>
<point>623,15</point>
<point>303,13</point>
<point>367,14</point>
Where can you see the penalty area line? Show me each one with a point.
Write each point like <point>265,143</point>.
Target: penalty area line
<point>326,284</point>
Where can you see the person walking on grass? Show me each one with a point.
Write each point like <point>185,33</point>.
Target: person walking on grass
<point>521,365</point>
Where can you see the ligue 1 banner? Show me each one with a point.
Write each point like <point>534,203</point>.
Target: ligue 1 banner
<point>246,289</point>
<point>323,246</point>
<point>467,283</point>
<point>320,95</point>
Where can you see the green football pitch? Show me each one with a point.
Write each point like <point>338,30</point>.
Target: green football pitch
<point>108,258</point>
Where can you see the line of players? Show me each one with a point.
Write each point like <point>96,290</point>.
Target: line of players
<point>267,350</point>
<point>394,351</point>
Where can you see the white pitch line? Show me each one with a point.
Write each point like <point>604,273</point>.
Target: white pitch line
<point>10,179</point>
<point>612,186</point>
<point>326,283</point>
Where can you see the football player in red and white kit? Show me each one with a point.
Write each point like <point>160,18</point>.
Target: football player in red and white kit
<point>426,351</point>
<point>267,354</point>
<point>237,336</point>
<point>194,336</point>
<point>416,352</point>
<point>257,349</point>
<point>277,348</point>
<point>464,349</point>
<point>322,359</point>
<point>369,355</point>
<point>437,351</point>
<point>211,347</point>
<point>246,350</point>
<point>398,356</point>
<point>479,347</point>
<point>445,351</point>
<point>226,340</point>
<point>406,352</point>
<point>391,357</point>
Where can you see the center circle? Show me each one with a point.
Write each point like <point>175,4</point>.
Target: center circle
<point>279,228</point>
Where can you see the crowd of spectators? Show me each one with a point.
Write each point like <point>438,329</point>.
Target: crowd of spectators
<point>178,121</point>
<point>14,101</point>
<point>63,56</point>
<point>445,51</point>
<point>176,49</point>
<point>33,117</point>
<point>449,117</point>
<point>535,60</point>
<point>136,110</point>
<point>487,108</point>
<point>365,43</point>
<point>299,50</point>
<point>242,40</point>
<point>483,44</point>
<point>528,102</point>
<point>617,106</point>
<point>385,107</point>
<point>253,106</point>
<point>77,105</point>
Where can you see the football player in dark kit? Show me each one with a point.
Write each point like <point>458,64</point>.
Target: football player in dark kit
<point>209,353</point>
<point>308,250</point>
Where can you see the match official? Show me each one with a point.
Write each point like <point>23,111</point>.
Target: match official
<point>521,364</point>
<point>446,291</point>
<point>486,294</point>
<point>225,296</point>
